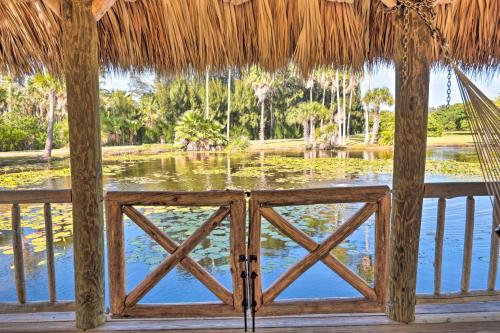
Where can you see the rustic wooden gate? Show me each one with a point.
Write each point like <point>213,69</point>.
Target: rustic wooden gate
<point>376,199</point>
<point>230,203</point>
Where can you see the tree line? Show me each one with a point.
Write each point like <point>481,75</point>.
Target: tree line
<point>212,110</point>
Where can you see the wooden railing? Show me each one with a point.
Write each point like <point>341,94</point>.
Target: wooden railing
<point>444,191</point>
<point>45,197</point>
<point>376,200</point>
<point>229,203</point>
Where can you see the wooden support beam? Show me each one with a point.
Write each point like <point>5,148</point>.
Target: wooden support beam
<point>81,69</point>
<point>410,140</point>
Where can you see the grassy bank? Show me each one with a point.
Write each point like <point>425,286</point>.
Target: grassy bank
<point>452,139</point>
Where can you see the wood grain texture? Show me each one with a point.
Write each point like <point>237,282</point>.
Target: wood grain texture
<point>237,247</point>
<point>254,234</point>
<point>468,238</point>
<point>326,246</point>
<point>17,247</point>
<point>37,307</point>
<point>116,257</point>
<point>321,195</point>
<point>453,190</point>
<point>310,245</point>
<point>181,252</point>
<point>171,246</point>
<point>161,198</point>
<point>81,69</point>
<point>49,238</point>
<point>438,252</point>
<point>181,310</point>
<point>493,265</point>
<point>382,234</point>
<point>410,140</point>
<point>35,196</point>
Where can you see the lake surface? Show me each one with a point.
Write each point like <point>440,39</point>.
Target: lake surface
<point>250,171</point>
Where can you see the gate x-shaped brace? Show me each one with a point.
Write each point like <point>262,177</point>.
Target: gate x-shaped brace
<point>318,252</point>
<point>178,254</point>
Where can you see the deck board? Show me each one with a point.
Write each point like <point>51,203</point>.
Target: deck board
<point>473,317</point>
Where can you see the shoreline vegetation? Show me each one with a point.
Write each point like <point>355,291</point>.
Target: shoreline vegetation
<point>451,139</point>
<point>25,169</point>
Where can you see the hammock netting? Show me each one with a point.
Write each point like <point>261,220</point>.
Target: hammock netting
<point>484,121</point>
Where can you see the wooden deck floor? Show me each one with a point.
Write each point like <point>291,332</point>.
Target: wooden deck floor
<point>471,317</point>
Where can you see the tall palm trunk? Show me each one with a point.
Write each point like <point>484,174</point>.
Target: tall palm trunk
<point>339,129</point>
<point>349,116</point>
<point>323,102</point>
<point>271,125</point>
<point>305,126</point>
<point>376,124</point>
<point>47,152</point>
<point>262,124</point>
<point>367,125</point>
<point>367,116</point>
<point>312,130</point>
<point>332,98</point>
<point>207,108</point>
<point>10,97</point>
<point>344,128</point>
<point>228,104</point>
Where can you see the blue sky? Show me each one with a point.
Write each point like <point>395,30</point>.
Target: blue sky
<point>383,77</point>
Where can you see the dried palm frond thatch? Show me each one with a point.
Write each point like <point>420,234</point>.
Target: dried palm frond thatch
<point>172,36</point>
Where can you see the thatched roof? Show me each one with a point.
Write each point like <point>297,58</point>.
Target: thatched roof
<point>168,36</point>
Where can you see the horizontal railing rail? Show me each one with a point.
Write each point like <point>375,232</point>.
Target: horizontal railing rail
<point>45,197</point>
<point>468,190</point>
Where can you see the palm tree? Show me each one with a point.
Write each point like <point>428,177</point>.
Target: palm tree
<point>228,103</point>
<point>351,88</point>
<point>207,105</point>
<point>262,83</point>
<point>300,115</point>
<point>49,86</point>
<point>367,117</point>
<point>377,97</point>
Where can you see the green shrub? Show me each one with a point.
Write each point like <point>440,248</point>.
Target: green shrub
<point>22,133</point>
<point>195,132</point>
<point>434,126</point>
<point>386,133</point>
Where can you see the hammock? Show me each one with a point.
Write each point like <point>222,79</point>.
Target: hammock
<point>482,114</point>
<point>484,121</point>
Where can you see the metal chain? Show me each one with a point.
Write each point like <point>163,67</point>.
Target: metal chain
<point>448,91</point>
<point>424,9</point>
<point>405,41</point>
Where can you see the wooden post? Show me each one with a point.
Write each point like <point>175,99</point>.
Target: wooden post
<point>410,141</point>
<point>81,69</point>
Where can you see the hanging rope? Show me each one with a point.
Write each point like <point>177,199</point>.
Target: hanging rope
<point>482,114</point>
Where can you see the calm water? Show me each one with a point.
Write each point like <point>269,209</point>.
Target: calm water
<point>206,171</point>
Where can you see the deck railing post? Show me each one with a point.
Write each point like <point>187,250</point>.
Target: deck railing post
<point>410,139</point>
<point>81,69</point>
